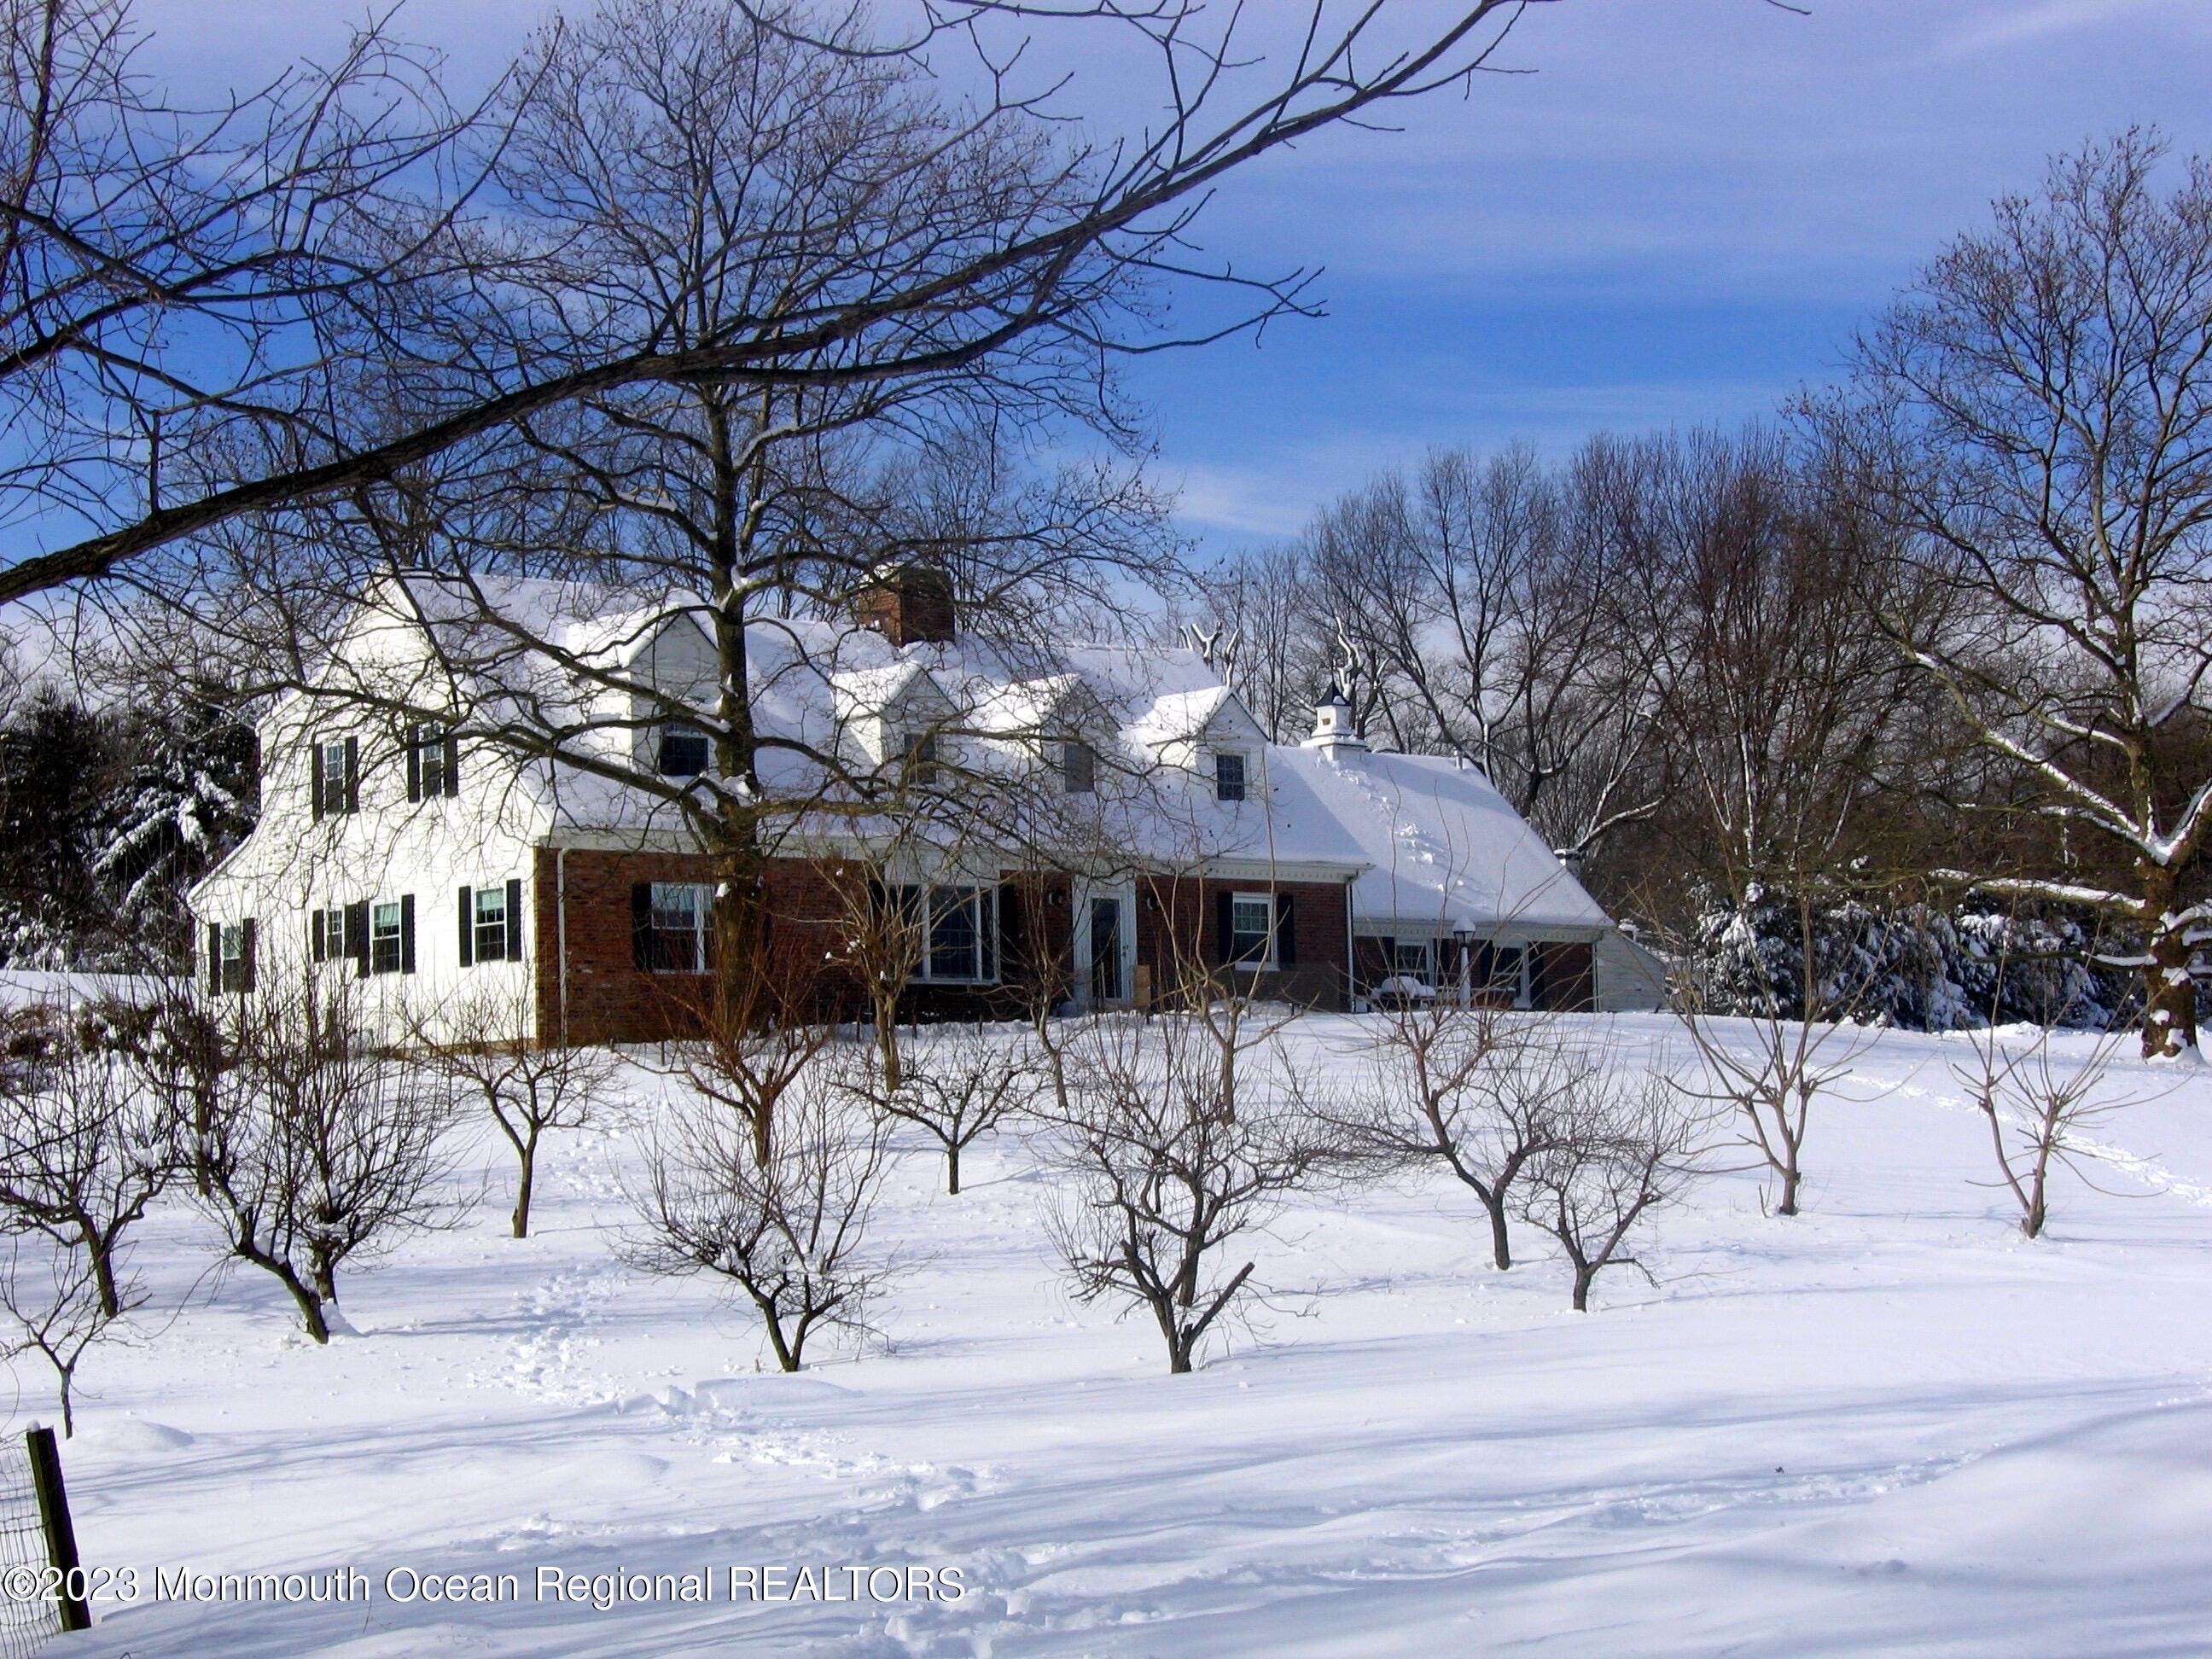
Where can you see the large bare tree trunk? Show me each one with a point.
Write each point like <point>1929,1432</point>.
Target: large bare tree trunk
<point>2169,990</point>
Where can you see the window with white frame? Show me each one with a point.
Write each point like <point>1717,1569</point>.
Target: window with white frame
<point>1252,931</point>
<point>433,762</point>
<point>235,946</point>
<point>1228,776</point>
<point>387,939</point>
<point>1411,959</point>
<point>491,924</point>
<point>336,789</point>
<point>676,922</point>
<point>960,945</point>
<point>683,751</point>
<point>326,935</point>
<point>918,756</point>
<point>1500,973</point>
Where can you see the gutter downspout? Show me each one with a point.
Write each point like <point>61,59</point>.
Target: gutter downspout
<point>560,931</point>
<point>1351,961</point>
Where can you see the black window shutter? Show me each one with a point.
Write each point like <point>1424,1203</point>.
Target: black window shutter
<point>514,917</point>
<point>316,947</point>
<point>1013,915</point>
<point>315,788</point>
<point>454,767</point>
<point>1224,923</point>
<point>1286,933</point>
<point>468,929</point>
<point>215,957</point>
<point>414,763</point>
<point>986,931</point>
<point>356,935</point>
<point>640,924</point>
<point>353,775</point>
<point>407,933</point>
<point>246,953</point>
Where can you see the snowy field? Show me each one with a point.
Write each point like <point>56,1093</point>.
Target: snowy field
<point>1889,1425</point>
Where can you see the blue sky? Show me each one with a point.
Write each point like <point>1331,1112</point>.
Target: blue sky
<point>1678,216</point>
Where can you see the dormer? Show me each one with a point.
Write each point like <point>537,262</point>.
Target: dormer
<point>1057,721</point>
<point>671,665</point>
<point>897,711</point>
<point>1211,734</point>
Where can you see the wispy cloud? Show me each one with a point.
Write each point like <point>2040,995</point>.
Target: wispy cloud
<point>2016,24</point>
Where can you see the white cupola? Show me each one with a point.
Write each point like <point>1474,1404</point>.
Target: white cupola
<point>1333,733</point>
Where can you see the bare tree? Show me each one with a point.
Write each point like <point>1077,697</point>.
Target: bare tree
<point>1624,1142</point>
<point>323,1150</point>
<point>2039,1109</point>
<point>174,280</point>
<point>756,1041</point>
<point>1471,1088</point>
<point>1080,230</point>
<point>1790,1039</point>
<point>965,1080</point>
<point>85,1144</point>
<point>2033,417</point>
<point>1482,592</point>
<point>530,1088</point>
<point>1172,1154</point>
<point>881,945</point>
<point>789,1230</point>
<point>56,1303</point>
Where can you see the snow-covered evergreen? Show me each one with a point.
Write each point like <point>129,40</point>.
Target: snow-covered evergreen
<point>1913,966</point>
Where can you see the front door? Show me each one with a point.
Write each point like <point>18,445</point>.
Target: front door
<point>1106,987</point>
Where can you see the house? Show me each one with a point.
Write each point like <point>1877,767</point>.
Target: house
<point>1118,818</point>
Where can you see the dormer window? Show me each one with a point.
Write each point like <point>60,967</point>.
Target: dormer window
<point>1078,767</point>
<point>683,750</point>
<point>918,754</point>
<point>1228,776</point>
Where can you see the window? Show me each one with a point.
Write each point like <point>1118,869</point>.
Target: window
<point>1078,767</point>
<point>672,922</point>
<point>387,939</point>
<point>433,762</point>
<point>1228,777</point>
<point>917,752</point>
<point>683,751</point>
<point>962,943</point>
<point>1252,931</point>
<point>1501,972</point>
<point>491,923</point>
<point>326,936</point>
<point>234,972</point>
<point>1410,959</point>
<point>336,762</point>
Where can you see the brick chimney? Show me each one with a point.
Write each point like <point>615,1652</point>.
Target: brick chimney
<point>907,603</point>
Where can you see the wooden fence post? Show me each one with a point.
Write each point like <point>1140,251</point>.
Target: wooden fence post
<point>61,1537</point>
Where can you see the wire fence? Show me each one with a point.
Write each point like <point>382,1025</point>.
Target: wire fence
<point>27,1547</point>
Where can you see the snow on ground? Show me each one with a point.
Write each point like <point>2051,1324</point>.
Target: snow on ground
<point>1889,1424</point>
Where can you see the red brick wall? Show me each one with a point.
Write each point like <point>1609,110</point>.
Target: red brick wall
<point>1178,922</point>
<point>611,1000</point>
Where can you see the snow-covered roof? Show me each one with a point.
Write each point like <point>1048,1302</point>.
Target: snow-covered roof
<point>1427,840</point>
<point>1445,848</point>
